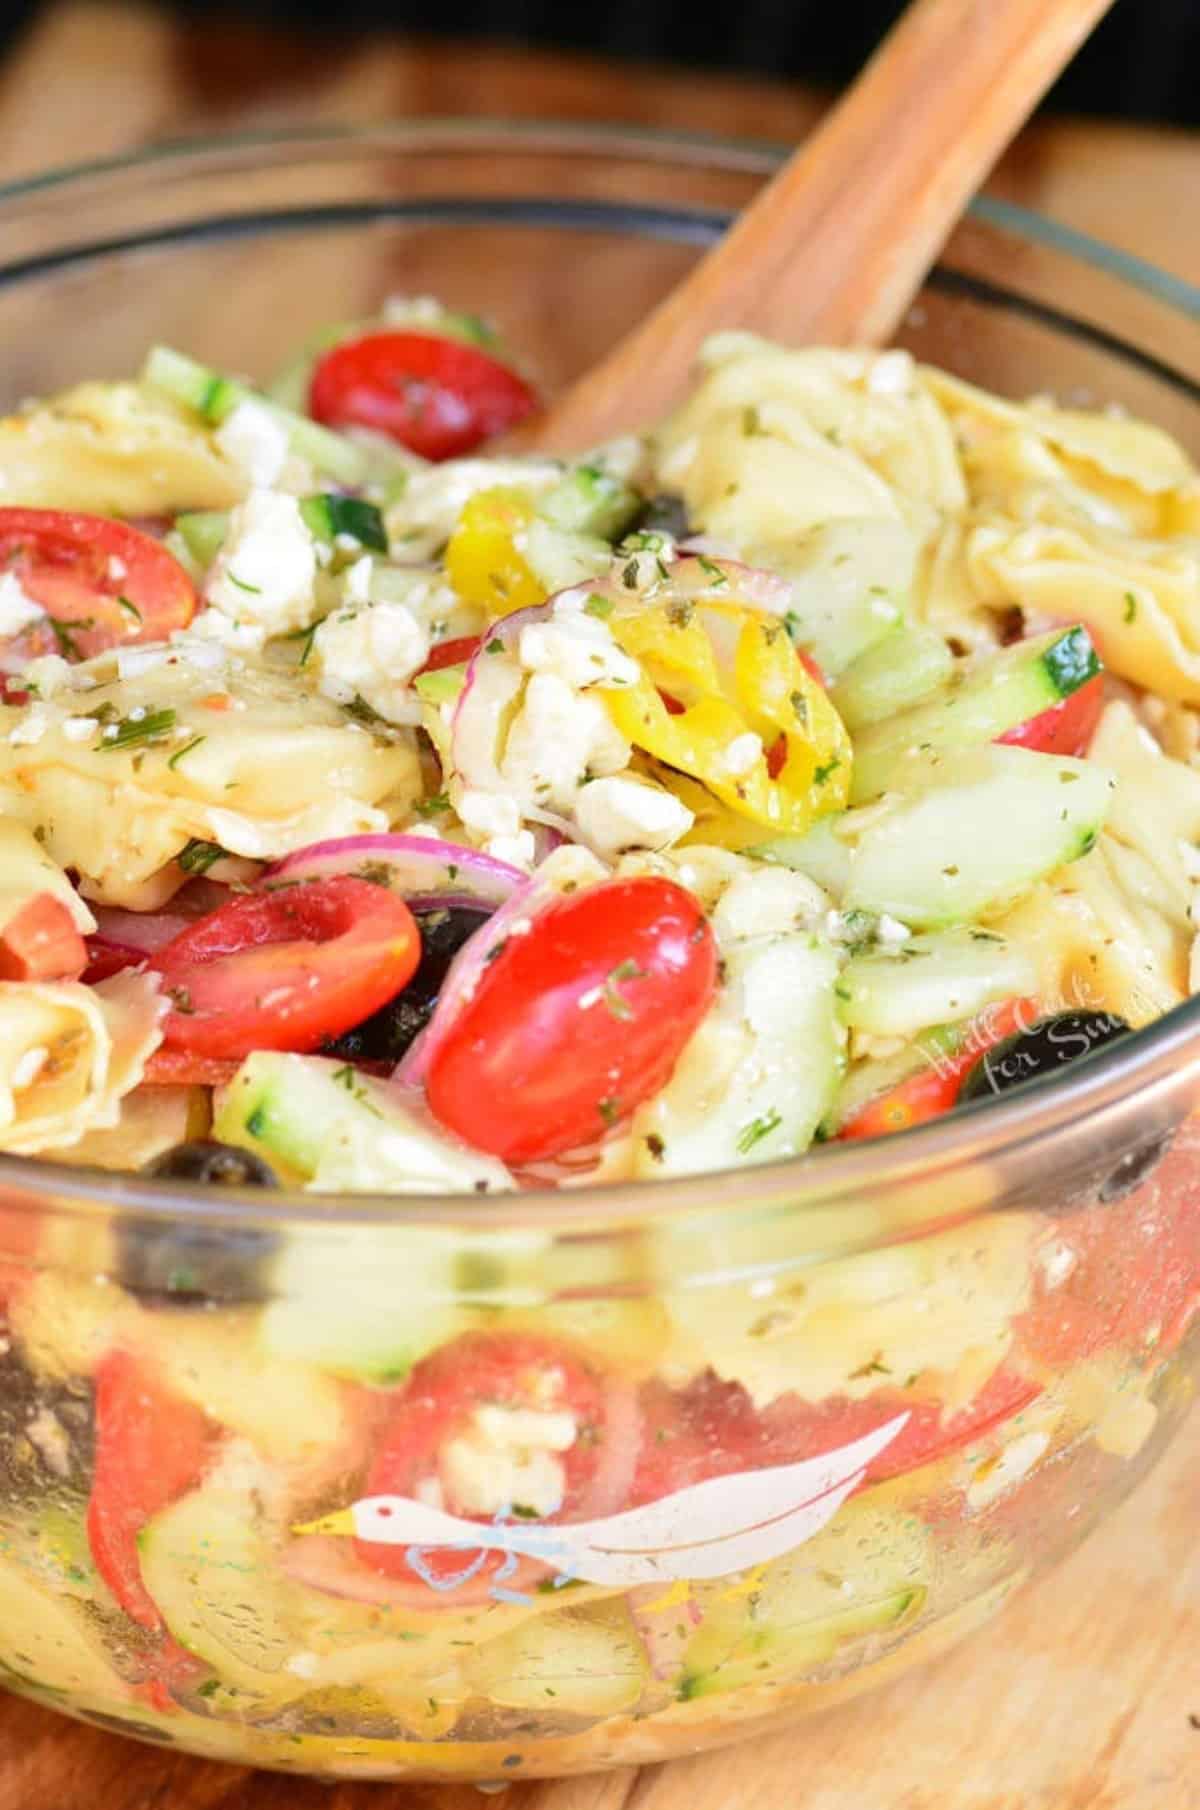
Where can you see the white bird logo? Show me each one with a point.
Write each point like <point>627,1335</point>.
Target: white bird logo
<point>709,1530</point>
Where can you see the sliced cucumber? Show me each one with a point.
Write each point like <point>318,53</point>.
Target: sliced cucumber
<point>934,978</point>
<point>442,686</point>
<point>759,1075</point>
<point>981,702</point>
<point>587,1662</point>
<point>821,854</point>
<point>330,1125</point>
<point>910,662</point>
<point>560,559</point>
<point>976,830</point>
<point>203,532</point>
<point>867,1573</point>
<point>590,501</point>
<point>214,397</point>
<point>47,1639</point>
<point>329,514</point>
<point>850,579</point>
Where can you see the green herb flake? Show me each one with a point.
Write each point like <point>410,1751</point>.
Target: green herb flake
<point>130,609</point>
<point>799,704</point>
<point>655,1146</point>
<point>1131,606</point>
<point>757,1130</point>
<point>598,606</point>
<point>712,570</point>
<point>196,857</point>
<point>751,422</point>
<point>494,646</point>
<point>433,806</point>
<point>255,590</point>
<point>135,731</point>
<point>614,999</point>
<point>609,1110</point>
<point>821,774</point>
<point>186,749</point>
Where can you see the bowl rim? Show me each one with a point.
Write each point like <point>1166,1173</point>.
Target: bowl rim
<point>1155,1053</point>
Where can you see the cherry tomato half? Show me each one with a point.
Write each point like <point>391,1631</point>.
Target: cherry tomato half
<point>41,942</point>
<point>438,397</point>
<point>576,1022</point>
<point>438,1405</point>
<point>103,583</point>
<point>151,1446</point>
<point>284,970</point>
<point>934,1090</point>
<point>1067,727</point>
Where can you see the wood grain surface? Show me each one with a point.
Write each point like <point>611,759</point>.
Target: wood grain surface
<point>1085,1694</point>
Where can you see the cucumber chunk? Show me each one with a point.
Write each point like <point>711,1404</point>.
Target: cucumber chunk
<point>821,854</point>
<point>898,672</point>
<point>560,559</point>
<point>934,978</point>
<point>973,831</point>
<point>590,501</point>
<point>214,397</point>
<point>328,515</point>
<point>203,532</point>
<point>330,1125</point>
<point>867,1573</point>
<point>980,703</point>
<point>587,1662</point>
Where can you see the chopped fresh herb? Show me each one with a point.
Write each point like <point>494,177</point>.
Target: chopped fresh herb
<point>68,647</point>
<point>1131,606</point>
<point>821,774</point>
<point>985,936</point>
<point>655,1146</point>
<point>799,705</point>
<point>496,950</point>
<point>756,1130</point>
<point>609,1110</point>
<point>131,731</point>
<point>841,992</point>
<point>434,806</point>
<point>522,1512</point>
<point>876,1367</point>
<point>950,872</point>
<point>614,999</point>
<point>130,609</point>
<point>630,576</point>
<point>680,612</point>
<point>255,590</point>
<point>181,999</point>
<point>494,646</point>
<point>598,606</point>
<point>196,857</point>
<point>712,570</point>
<point>751,422</point>
<point>186,749</point>
<point>361,711</point>
<point>791,623</point>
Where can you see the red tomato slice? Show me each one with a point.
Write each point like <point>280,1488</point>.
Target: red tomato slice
<point>103,583</point>
<point>451,653</point>
<point>438,397</point>
<point>284,970</point>
<point>1132,1270</point>
<point>438,1405</point>
<point>574,1024</point>
<point>151,1447</point>
<point>1067,727</point>
<point>712,1429</point>
<point>42,943</point>
<point>934,1090</point>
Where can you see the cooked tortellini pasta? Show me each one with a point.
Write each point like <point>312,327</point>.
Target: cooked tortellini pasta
<point>69,1054</point>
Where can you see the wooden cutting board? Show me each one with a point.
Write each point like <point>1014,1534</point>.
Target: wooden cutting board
<point>1085,1694</point>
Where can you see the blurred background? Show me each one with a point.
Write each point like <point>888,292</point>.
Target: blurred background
<point>1115,150</point>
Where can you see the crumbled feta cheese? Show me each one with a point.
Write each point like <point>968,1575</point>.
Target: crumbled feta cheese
<point>17,608</point>
<point>265,572</point>
<point>30,730</point>
<point>255,441</point>
<point>891,374</point>
<point>28,1067</point>
<point>560,738</point>
<point>214,628</point>
<point>132,662</point>
<point>423,519</point>
<point>508,1458</point>
<point>490,813</point>
<point>577,648</point>
<point>117,569</point>
<point>80,728</point>
<point>372,654</point>
<point>614,814</point>
<point>519,850</point>
<point>890,931</point>
<point>357,580</point>
<point>740,755</point>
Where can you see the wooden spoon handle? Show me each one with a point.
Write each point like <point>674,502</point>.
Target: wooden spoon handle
<point>835,247</point>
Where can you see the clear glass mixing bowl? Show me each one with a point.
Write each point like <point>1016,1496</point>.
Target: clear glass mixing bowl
<point>903,1377</point>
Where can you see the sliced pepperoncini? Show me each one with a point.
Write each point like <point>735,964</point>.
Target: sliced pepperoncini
<point>483,557</point>
<point>724,699</point>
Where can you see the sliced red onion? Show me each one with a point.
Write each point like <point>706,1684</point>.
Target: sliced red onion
<point>143,931</point>
<point>491,685</point>
<point>718,580</point>
<point>419,865</point>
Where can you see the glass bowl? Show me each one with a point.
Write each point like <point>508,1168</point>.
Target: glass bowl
<point>738,1448</point>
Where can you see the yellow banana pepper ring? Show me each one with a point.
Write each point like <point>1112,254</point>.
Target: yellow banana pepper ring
<point>755,729</point>
<point>483,557</point>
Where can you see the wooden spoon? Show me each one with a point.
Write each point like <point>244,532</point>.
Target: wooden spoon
<point>838,243</point>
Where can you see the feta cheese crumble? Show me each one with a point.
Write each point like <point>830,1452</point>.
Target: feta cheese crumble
<point>265,572</point>
<point>252,438</point>
<point>372,654</point>
<point>577,648</point>
<point>619,813</point>
<point>17,608</point>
